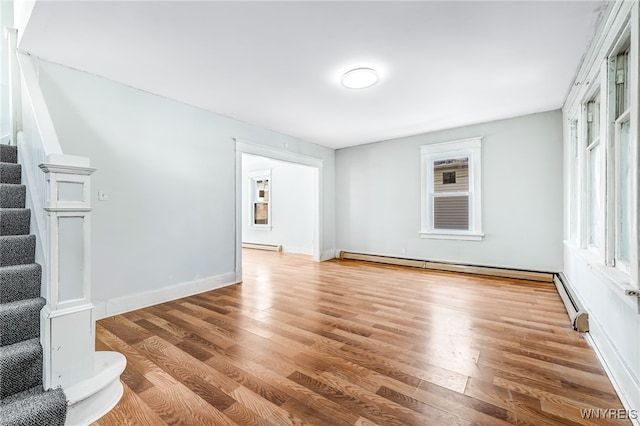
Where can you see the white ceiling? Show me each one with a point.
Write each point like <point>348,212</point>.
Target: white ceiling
<point>278,64</point>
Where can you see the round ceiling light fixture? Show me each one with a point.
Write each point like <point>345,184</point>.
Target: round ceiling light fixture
<point>360,78</point>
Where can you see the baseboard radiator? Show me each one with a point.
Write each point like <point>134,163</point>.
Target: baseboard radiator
<point>451,267</point>
<point>256,246</point>
<point>579,317</point>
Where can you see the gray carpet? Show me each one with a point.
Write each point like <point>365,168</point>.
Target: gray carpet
<point>12,196</point>
<point>20,320</point>
<point>10,173</point>
<point>8,154</point>
<point>23,401</point>
<point>20,282</point>
<point>15,221</point>
<point>17,249</point>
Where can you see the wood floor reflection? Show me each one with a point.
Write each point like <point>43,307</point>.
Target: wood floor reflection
<point>354,343</point>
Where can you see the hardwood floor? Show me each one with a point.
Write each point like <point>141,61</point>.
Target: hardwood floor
<point>353,343</point>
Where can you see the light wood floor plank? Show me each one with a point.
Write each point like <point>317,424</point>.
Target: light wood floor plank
<point>355,343</point>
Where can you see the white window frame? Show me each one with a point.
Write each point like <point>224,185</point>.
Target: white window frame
<point>613,160</point>
<point>595,94</point>
<point>574,181</point>
<point>255,176</point>
<point>470,148</point>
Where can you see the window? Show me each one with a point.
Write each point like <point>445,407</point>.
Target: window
<point>573,183</point>
<point>593,163</point>
<point>451,190</point>
<point>260,184</point>
<point>620,241</point>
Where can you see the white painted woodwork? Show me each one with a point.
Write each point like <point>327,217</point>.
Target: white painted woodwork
<point>58,188</point>
<point>602,288</point>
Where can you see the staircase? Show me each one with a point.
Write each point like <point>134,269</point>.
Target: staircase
<point>23,401</point>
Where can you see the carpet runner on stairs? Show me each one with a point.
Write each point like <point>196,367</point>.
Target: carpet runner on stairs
<point>23,401</point>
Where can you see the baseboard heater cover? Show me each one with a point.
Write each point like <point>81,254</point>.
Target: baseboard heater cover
<point>451,267</point>
<point>269,247</point>
<point>579,317</point>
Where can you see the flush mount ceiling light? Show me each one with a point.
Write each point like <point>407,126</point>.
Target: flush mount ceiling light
<point>359,78</point>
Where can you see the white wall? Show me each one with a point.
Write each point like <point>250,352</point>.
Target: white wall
<point>6,20</point>
<point>169,172</point>
<point>614,318</point>
<point>293,205</point>
<point>378,196</point>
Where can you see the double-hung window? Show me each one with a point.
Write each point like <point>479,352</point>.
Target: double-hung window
<point>451,203</point>
<point>594,174</point>
<point>260,186</point>
<point>620,240</point>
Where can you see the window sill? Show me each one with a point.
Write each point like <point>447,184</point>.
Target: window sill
<point>617,281</point>
<point>260,227</point>
<point>439,235</point>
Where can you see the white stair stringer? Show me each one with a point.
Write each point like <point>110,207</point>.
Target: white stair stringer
<point>96,396</point>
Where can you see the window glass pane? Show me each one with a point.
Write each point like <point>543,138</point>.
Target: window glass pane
<point>594,196</point>
<point>624,193</point>
<point>451,175</point>
<point>451,212</point>
<point>573,206</point>
<point>262,189</point>
<point>622,92</point>
<point>261,213</point>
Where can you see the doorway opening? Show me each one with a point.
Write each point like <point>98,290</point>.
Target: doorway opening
<point>278,201</point>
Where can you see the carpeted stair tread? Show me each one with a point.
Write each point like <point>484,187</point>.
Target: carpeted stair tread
<point>15,221</point>
<point>20,320</point>
<point>21,364</point>
<point>8,154</point>
<point>23,402</point>
<point>12,196</point>
<point>10,173</point>
<point>20,282</point>
<point>34,407</point>
<point>17,250</point>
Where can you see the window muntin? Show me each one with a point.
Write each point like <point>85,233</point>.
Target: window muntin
<point>451,190</point>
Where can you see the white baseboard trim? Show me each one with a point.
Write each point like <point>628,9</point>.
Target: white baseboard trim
<point>627,388</point>
<point>298,250</point>
<point>328,255</point>
<point>120,305</point>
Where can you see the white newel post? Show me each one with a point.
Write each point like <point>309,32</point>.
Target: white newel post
<point>68,324</point>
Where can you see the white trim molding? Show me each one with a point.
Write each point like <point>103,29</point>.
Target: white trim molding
<point>119,305</point>
<point>245,147</point>
<point>471,149</point>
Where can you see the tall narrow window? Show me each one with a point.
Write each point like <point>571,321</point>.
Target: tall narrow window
<point>594,200</point>
<point>451,190</point>
<point>622,166</point>
<point>260,184</point>
<point>573,183</point>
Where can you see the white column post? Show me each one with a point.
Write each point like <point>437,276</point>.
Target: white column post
<point>68,323</point>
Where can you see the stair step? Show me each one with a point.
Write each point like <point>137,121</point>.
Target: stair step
<point>34,407</point>
<point>10,173</point>
<point>15,221</point>
<point>8,154</point>
<point>20,282</point>
<point>20,320</point>
<point>12,196</point>
<point>20,367</point>
<point>17,250</point>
